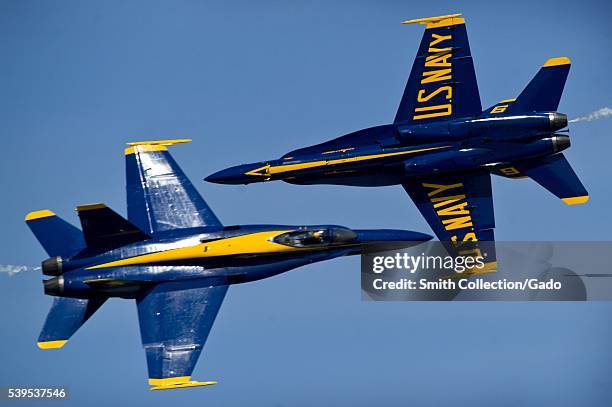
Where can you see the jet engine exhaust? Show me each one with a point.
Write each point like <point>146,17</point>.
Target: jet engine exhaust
<point>557,120</point>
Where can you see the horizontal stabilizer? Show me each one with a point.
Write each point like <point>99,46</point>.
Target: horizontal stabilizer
<point>57,237</point>
<point>66,316</point>
<point>556,175</point>
<point>544,91</point>
<point>104,228</point>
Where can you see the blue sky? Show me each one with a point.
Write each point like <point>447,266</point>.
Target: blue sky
<point>252,80</point>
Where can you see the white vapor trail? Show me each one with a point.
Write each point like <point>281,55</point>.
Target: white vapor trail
<point>597,114</point>
<point>12,269</point>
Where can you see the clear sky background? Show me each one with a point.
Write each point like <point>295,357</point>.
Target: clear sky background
<point>252,80</point>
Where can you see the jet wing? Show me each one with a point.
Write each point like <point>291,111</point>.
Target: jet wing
<point>442,84</point>
<point>175,320</point>
<point>159,195</point>
<point>459,209</point>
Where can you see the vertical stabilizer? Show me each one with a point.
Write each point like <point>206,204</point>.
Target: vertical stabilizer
<point>544,91</point>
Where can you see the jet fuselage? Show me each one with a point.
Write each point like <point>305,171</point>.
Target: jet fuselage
<point>230,255</point>
<point>388,154</point>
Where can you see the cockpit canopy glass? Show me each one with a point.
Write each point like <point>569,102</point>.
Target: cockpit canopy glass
<point>316,237</point>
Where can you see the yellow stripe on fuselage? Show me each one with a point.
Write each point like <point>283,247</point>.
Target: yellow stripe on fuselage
<point>254,243</point>
<point>268,170</point>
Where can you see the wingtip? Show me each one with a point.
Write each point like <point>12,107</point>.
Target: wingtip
<point>152,145</point>
<point>177,383</point>
<point>576,200</point>
<point>90,207</point>
<point>51,344</point>
<point>557,61</point>
<point>168,142</point>
<point>438,21</point>
<point>44,213</point>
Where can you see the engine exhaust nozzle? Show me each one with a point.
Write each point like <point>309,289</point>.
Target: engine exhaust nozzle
<point>557,120</point>
<point>54,286</point>
<point>52,266</point>
<point>560,142</point>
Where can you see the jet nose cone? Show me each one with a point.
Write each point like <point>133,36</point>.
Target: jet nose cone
<point>221,177</point>
<point>237,175</point>
<point>421,237</point>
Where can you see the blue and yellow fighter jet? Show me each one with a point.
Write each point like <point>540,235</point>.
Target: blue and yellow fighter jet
<point>442,147</point>
<point>175,258</point>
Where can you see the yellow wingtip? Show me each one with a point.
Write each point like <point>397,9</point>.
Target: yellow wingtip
<point>90,207</point>
<point>576,200</point>
<point>176,383</point>
<point>153,145</point>
<point>557,61</point>
<point>45,213</point>
<point>51,344</point>
<point>159,142</point>
<point>439,21</point>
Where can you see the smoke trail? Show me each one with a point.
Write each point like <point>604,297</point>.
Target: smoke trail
<point>597,114</point>
<point>12,269</point>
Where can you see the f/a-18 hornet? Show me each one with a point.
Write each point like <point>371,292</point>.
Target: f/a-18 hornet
<point>175,258</point>
<point>442,147</point>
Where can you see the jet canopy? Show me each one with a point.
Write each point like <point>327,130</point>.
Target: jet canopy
<point>317,237</point>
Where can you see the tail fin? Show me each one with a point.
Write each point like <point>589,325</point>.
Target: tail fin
<point>57,237</point>
<point>66,316</point>
<point>104,228</point>
<point>544,91</point>
<point>556,175</point>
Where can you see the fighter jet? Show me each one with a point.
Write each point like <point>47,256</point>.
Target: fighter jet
<point>442,147</point>
<point>175,258</point>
